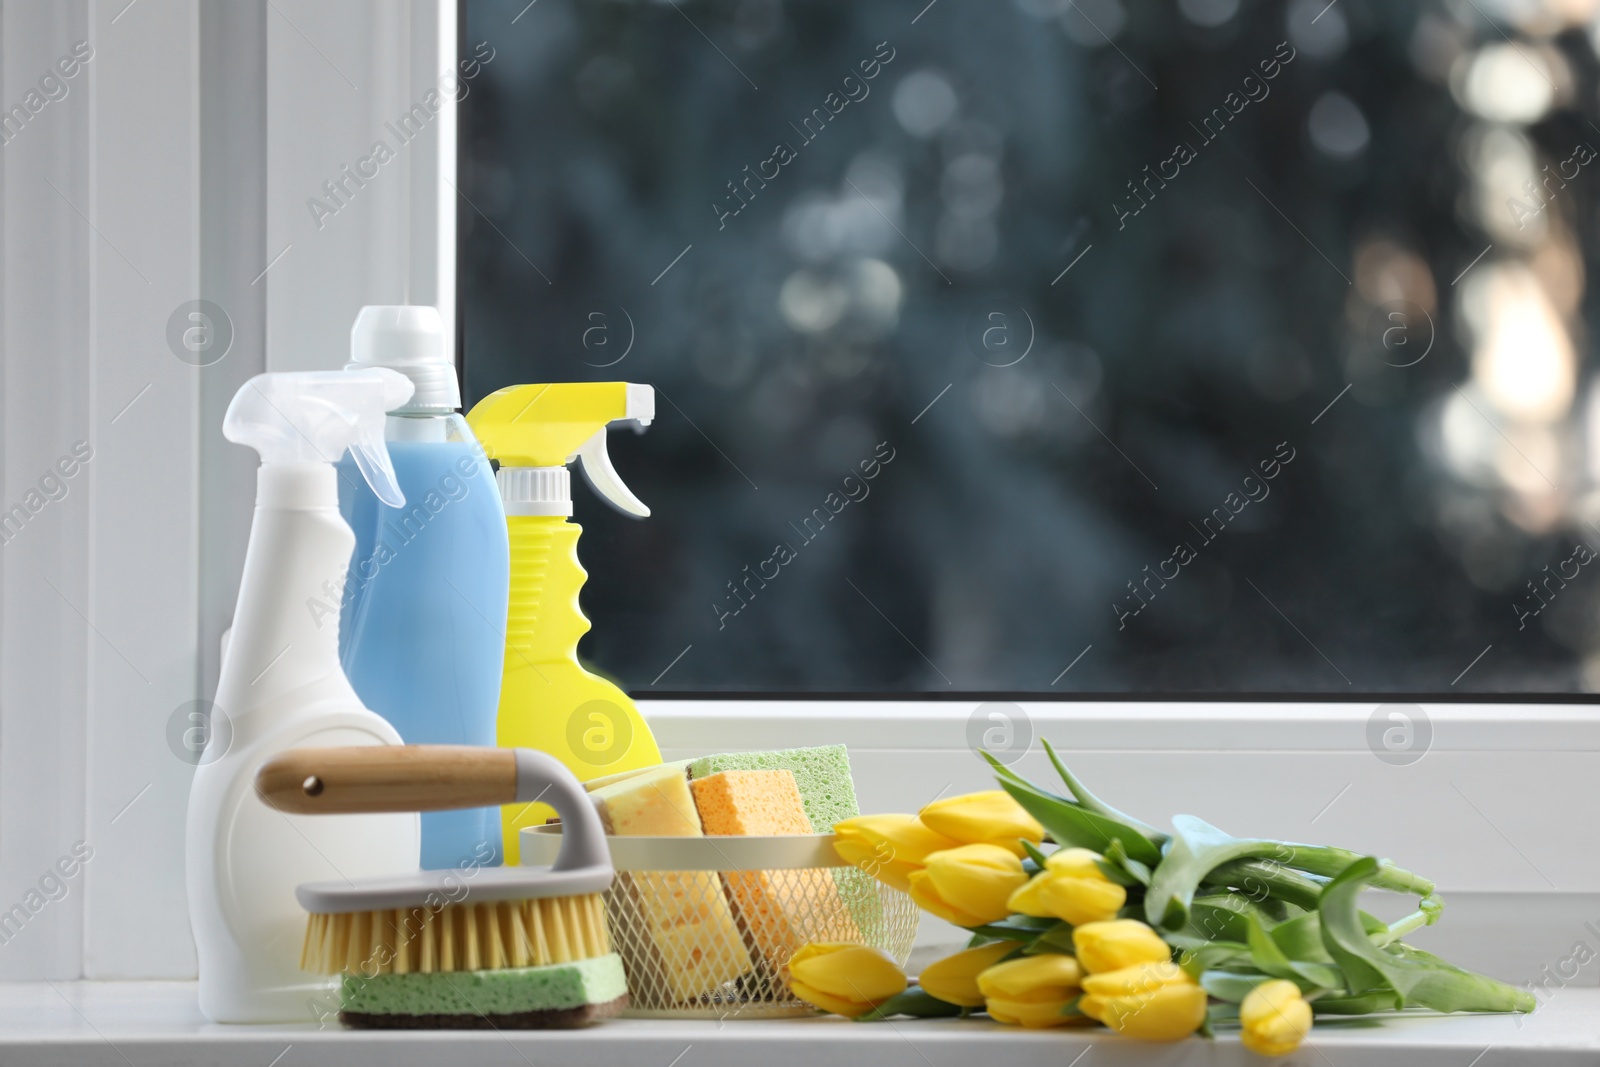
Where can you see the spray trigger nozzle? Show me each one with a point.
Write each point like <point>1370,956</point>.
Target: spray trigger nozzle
<point>375,466</point>
<point>314,416</point>
<point>595,462</point>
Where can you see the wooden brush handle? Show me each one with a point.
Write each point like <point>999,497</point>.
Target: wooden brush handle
<point>370,778</point>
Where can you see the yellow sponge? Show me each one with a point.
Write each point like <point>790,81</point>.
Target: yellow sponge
<point>655,802</point>
<point>677,924</point>
<point>780,910</point>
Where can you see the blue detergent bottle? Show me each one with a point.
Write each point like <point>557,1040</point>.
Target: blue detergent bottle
<point>423,610</point>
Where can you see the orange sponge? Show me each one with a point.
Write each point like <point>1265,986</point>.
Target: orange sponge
<point>750,802</point>
<point>780,910</point>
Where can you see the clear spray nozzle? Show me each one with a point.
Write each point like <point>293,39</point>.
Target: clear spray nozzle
<point>314,416</point>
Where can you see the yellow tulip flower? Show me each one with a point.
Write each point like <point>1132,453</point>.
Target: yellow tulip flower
<point>1148,1001</point>
<point>954,979</point>
<point>1071,887</point>
<point>991,818</point>
<point>968,885</point>
<point>1120,943</point>
<point>1274,1018</point>
<point>846,979</point>
<point>1032,990</point>
<point>888,847</point>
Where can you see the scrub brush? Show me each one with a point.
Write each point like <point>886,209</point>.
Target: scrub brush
<point>470,947</point>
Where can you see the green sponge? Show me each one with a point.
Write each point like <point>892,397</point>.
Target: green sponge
<point>822,774</point>
<point>556,995</point>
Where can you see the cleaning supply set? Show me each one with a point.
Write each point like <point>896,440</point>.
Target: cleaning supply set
<point>396,621</point>
<point>423,610</point>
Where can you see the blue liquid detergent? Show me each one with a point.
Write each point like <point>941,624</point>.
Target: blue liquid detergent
<point>422,625</point>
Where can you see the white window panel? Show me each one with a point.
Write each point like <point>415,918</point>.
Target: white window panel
<point>176,167</point>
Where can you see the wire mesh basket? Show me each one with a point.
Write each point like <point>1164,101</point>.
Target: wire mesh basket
<point>705,925</point>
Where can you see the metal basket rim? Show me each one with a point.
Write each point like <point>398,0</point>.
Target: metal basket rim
<point>771,852</point>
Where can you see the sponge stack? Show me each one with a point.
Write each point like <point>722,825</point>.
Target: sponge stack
<point>683,928</point>
<point>822,776</point>
<point>779,910</point>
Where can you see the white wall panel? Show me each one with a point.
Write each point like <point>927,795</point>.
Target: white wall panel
<point>48,246</point>
<point>143,528</point>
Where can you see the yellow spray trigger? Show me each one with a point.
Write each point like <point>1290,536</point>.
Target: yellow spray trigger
<point>548,700</point>
<point>551,425</point>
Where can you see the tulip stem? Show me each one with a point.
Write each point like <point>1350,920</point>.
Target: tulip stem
<point>1400,928</point>
<point>1256,880</point>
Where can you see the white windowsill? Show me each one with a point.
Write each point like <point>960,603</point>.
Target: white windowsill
<point>143,1024</point>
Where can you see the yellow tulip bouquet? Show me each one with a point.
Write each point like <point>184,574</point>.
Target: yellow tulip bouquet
<point>1154,935</point>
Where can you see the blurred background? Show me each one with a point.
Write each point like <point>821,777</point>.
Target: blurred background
<point>1063,345</point>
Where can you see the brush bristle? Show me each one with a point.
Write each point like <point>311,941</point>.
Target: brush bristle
<point>457,937</point>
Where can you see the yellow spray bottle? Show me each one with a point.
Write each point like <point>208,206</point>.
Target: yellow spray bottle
<point>547,700</point>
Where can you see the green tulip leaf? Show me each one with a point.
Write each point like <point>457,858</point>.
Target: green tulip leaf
<point>1013,928</point>
<point>1212,956</point>
<point>1118,857</point>
<point>1035,854</point>
<point>1018,927</point>
<point>1094,803</point>
<point>1365,1004</point>
<point>1058,939</point>
<point>1270,959</point>
<point>1116,874</point>
<point>1226,931</point>
<point>915,1002</point>
<point>1071,825</point>
<point>1265,953</point>
<point>1300,938</point>
<point>1231,986</point>
<point>1219,917</point>
<point>1401,976</point>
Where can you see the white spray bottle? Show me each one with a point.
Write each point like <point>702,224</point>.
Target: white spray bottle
<point>281,687</point>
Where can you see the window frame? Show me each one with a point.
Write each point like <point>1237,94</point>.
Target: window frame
<point>187,145</point>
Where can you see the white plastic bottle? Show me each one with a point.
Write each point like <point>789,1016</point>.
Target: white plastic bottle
<point>281,687</point>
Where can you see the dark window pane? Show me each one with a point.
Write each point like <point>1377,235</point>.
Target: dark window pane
<point>1200,346</point>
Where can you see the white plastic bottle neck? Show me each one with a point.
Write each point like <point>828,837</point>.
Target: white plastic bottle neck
<point>297,486</point>
<point>418,429</point>
<point>535,490</point>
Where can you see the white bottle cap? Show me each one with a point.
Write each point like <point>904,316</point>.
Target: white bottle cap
<point>408,338</point>
<point>548,490</point>
<point>535,490</point>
